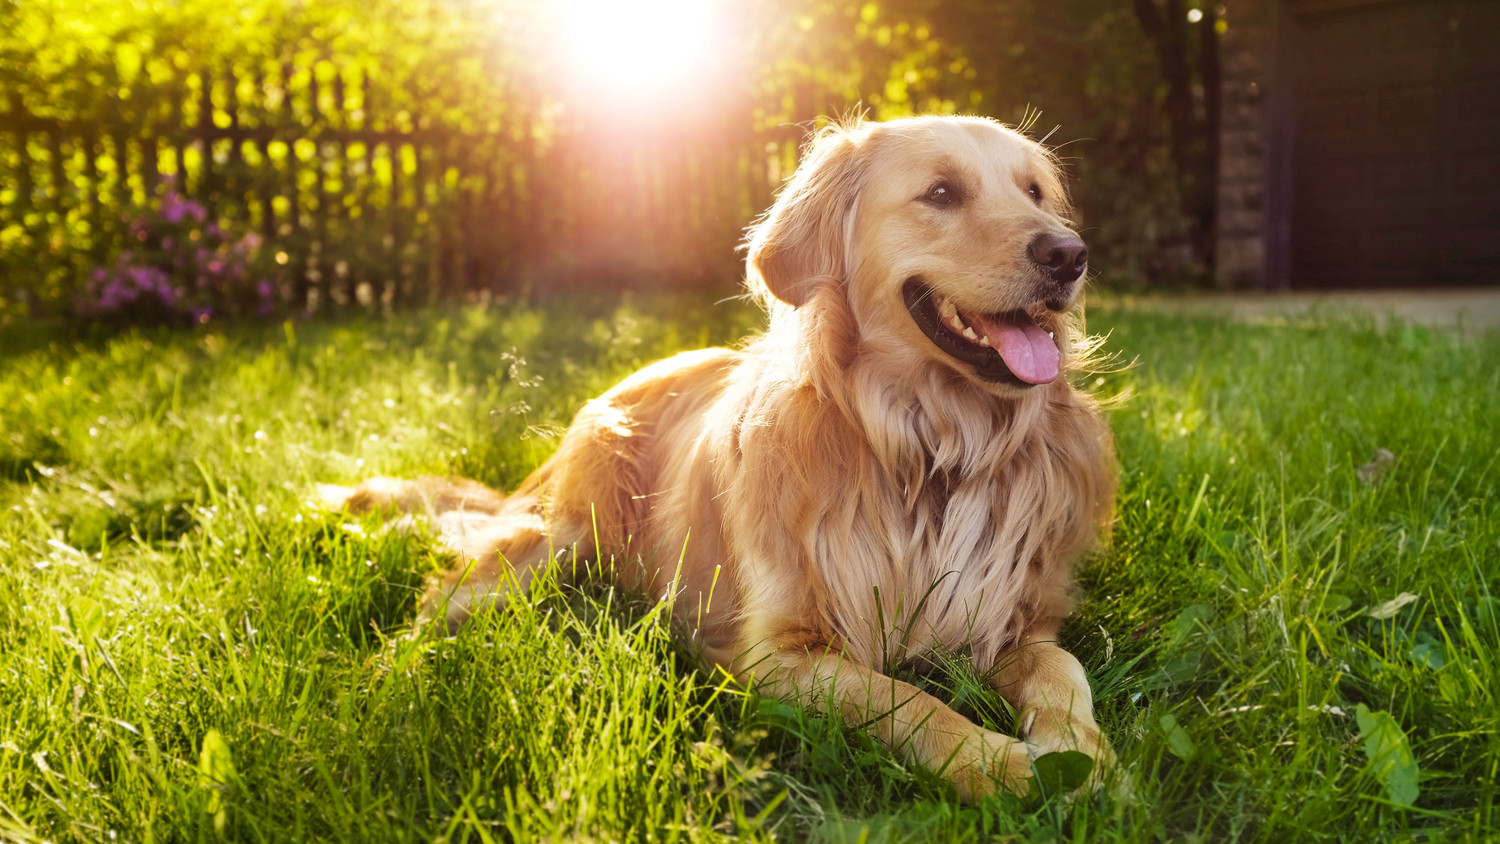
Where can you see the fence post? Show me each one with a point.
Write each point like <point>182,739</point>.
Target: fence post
<point>206,176</point>
<point>148,130</point>
<point>340,145</point>
<point>16,120</point>
<point>120,152</point>
<point>181,132</point>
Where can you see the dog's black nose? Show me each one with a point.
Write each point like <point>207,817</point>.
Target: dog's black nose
<point>1062,256</point>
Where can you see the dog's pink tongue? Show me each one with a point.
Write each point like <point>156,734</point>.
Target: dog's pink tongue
<point>1029,351</point>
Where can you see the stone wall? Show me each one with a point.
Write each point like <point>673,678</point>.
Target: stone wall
<point>1247,51</point>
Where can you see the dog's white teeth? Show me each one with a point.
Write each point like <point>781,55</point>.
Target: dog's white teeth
<point>948,310</point>
<point>1050,334</point>
<point>969,333</point>
<point>984,341</point>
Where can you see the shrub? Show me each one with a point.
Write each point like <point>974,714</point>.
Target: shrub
<point>180,266</point>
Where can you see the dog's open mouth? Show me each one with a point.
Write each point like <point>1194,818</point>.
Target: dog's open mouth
<point>1004,347</point>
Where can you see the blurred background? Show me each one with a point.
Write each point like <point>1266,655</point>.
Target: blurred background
<point>197,160</point>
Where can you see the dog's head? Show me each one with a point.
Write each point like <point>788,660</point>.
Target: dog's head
<point>949,239</point>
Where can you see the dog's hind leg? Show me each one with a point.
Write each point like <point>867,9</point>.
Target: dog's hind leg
<point>427,495</point>
<point>498,541</point>
<point>495,555</point>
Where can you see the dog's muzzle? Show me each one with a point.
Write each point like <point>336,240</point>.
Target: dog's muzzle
<point>1004,348</point>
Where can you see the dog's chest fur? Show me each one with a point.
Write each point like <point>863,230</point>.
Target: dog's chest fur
<point>946,540</point>
<point>948,575</point>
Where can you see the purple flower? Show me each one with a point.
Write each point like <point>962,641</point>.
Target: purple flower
<point>206,274</point>
<point>172,208</point>
<point>116,294</point>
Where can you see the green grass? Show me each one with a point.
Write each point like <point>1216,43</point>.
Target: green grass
<point>192,651</point>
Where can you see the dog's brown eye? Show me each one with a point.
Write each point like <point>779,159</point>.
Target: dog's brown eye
<point>1036,194</point>
<point>941,193</point>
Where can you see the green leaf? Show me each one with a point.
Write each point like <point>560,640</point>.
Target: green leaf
<point>1429,652</point>
<point>1178,741</point>
<point>1187,621</point>
<point>1335,604</point>
<point>1391,759</point>
<point>1181,669</point>
<point>215,773</point>
<point>1063,771</point>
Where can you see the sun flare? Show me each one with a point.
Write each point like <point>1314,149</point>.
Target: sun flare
<point>641,48</point>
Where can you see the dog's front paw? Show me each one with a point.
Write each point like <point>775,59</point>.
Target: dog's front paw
<point>988,762</point>
<point>1045,733</point>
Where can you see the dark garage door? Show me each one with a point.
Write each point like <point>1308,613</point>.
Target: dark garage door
<point>1396,154</point>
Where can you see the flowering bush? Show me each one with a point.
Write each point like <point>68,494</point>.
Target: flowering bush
<point>181,266</point>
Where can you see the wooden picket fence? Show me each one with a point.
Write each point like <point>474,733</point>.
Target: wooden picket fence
<point>365,204</point>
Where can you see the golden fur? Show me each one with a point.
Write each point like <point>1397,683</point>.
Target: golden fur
<point>850,495</point>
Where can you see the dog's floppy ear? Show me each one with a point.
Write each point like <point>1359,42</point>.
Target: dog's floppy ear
<point>803,238</point>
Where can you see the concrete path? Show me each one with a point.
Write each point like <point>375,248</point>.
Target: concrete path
<point>1468,310</point>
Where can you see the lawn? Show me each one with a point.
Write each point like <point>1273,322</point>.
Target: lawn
<point>1282,647</point>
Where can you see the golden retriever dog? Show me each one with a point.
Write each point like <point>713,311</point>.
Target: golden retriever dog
<point>898,465</point>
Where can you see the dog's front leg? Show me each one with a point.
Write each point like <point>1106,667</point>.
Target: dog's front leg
<point>908,720</point>
<point>1050,692</point>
